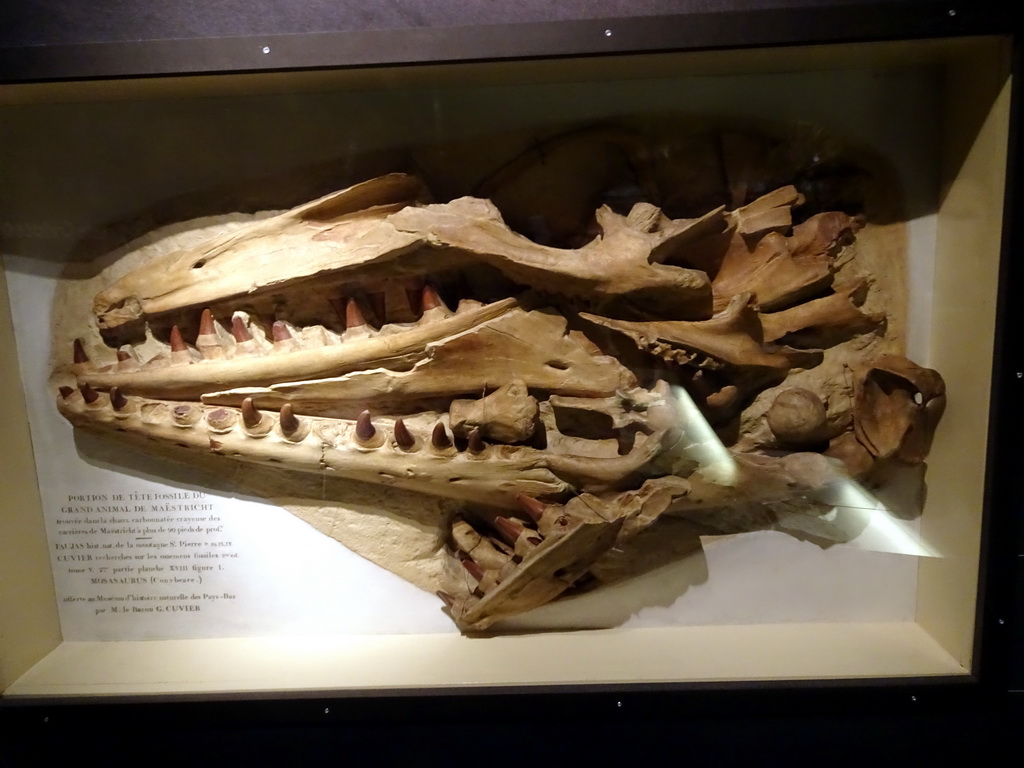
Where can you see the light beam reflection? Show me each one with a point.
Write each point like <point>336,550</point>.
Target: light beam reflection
<point>855,517</point>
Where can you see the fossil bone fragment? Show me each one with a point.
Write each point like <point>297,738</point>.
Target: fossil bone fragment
<point>558,399</point>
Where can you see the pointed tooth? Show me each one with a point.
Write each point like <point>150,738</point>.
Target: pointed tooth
<point>206,341</point>
<point>282,336</point>
<point>364,427</point>
<point>206,327</point>
<point>431,299</point>
<point>177,343</point>
<point>89,394</point>
<point>353,315</point>
<point>289,421</point>
<point>476,441</point>
<point>78,352</point>
<point>239,329</point>
<point>251,417</point>
<point>439,437</point>
<point>180,353</point>
<point>472,567</point>
<point>535,508</point>
<point>117,400</point>
<point>291,426</point>
<point>66,392</point>
<point>403,437</point>
<point>127,360</point>
<point>509,529</point>
<point>280,331</point>
<point>448,600</point>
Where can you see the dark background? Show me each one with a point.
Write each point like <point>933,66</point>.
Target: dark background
<point>905,723</point>
<point>62,22</point>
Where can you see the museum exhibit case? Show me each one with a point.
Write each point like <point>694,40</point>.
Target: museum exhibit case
<point>648,369</point>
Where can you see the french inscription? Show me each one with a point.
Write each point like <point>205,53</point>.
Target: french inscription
<point>142,553</point>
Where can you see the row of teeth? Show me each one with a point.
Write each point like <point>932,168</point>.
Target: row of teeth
<point>491,557</point>
<point>681,356</point>
<point>248,338</point>
<point>290,426</point>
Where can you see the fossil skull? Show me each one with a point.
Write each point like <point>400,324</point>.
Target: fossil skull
<point>373,335</point>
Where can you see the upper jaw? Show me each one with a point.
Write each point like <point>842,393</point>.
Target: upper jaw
<point>331,246</point>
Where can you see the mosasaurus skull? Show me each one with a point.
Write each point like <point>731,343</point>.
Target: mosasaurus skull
<point>559,396</point>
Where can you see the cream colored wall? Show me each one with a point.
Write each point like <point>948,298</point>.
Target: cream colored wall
<point>970,219</point>
<point>28,613</point>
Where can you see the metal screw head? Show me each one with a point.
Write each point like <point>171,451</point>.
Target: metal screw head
<point>607,33</point>
<point>266,49</point>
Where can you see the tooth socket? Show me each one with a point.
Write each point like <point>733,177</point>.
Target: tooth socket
<point>221,419</point>
<point>186,415</point>
<point>66,392</point>
<point>209,347</point>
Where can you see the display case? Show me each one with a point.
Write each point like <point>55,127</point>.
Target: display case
<point>879,593</point>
